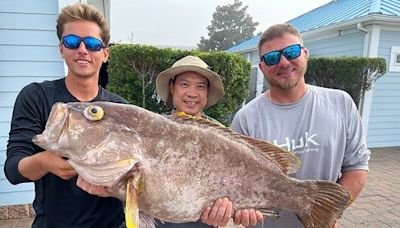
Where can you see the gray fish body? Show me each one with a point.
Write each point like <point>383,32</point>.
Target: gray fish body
<point>186,163</point>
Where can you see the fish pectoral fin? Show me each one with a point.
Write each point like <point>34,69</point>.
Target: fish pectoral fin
<point>131,207</point>
<point>132,215</point>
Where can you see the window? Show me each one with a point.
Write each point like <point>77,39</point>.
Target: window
<point>397,59</point>
<point>394,62</point>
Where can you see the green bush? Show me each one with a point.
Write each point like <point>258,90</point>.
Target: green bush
<point>354,75</point>
<point>132,71</point>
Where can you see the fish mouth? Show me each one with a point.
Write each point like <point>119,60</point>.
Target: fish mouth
<point>54,126</point>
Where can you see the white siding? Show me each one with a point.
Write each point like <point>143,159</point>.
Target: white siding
<point>29,52</point>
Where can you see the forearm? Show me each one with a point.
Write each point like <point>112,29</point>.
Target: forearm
<point>32,167</point>
<point>354,181</point>
<point>11,170</point>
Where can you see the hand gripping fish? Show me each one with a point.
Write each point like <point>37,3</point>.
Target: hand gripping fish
<point>186,163</point>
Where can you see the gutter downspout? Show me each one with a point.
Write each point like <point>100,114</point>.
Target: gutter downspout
<point>365,103</point>
<point>361,28</point>
<point>371,46</point>
<point>366,53</point>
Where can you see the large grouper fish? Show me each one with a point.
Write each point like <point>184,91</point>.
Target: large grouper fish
<point>178,165</point>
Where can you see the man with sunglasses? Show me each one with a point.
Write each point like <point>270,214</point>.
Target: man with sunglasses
<point>59,202</point>
<point>321,126</point>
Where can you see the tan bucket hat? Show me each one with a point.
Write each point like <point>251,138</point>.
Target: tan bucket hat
<point>194,64</point>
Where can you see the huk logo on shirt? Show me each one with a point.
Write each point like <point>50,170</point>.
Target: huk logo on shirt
<point>307,143</point>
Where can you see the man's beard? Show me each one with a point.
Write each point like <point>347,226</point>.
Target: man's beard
<point>283,85</point>
<point>287,85</point>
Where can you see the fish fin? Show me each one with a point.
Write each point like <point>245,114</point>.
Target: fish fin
<point>329,202</point>
<point>146,221</point>
<point>286,160</point>
<point>183,118</point>
<point>133,217</point>
<point>183,114</point>
<point>131,207</point>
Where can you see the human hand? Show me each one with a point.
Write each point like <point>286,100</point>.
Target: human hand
<point>91,188</point>
<point>57,165</point>
<point>247,217</point>
<point>219,214</point>
<point>36,166</point>
<point>335,225</point>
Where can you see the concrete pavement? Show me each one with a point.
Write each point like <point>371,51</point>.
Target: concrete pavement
<point>377,206</point>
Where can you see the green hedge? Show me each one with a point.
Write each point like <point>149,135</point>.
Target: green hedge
<point>352,74</point>
<point>132,71</point>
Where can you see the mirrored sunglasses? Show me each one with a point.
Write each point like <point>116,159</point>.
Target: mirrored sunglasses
<point>91,43</point>
<point>273,57</point>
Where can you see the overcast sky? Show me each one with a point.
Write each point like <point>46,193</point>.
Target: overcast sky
<point>183,22</point>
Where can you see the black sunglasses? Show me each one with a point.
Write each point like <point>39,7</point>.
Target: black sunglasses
<point>273,57</point>
<point>91,43</point>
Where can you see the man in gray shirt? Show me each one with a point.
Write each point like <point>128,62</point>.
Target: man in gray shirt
<point>321,126</point>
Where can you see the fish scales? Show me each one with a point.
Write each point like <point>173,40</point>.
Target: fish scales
<point>185,163</point>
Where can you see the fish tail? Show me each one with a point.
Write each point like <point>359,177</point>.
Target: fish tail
<point>328,204</point>
<point>131,207</point>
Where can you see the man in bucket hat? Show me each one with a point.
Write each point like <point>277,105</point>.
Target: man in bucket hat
<point>189,86</point>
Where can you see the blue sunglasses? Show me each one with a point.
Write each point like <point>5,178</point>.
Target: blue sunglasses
<point>91,43</point>
<point>273,57</point>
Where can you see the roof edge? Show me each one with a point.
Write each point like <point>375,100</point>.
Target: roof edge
<point>372,18</point>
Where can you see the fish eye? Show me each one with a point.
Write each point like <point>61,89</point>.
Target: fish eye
<point>93,112</point>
